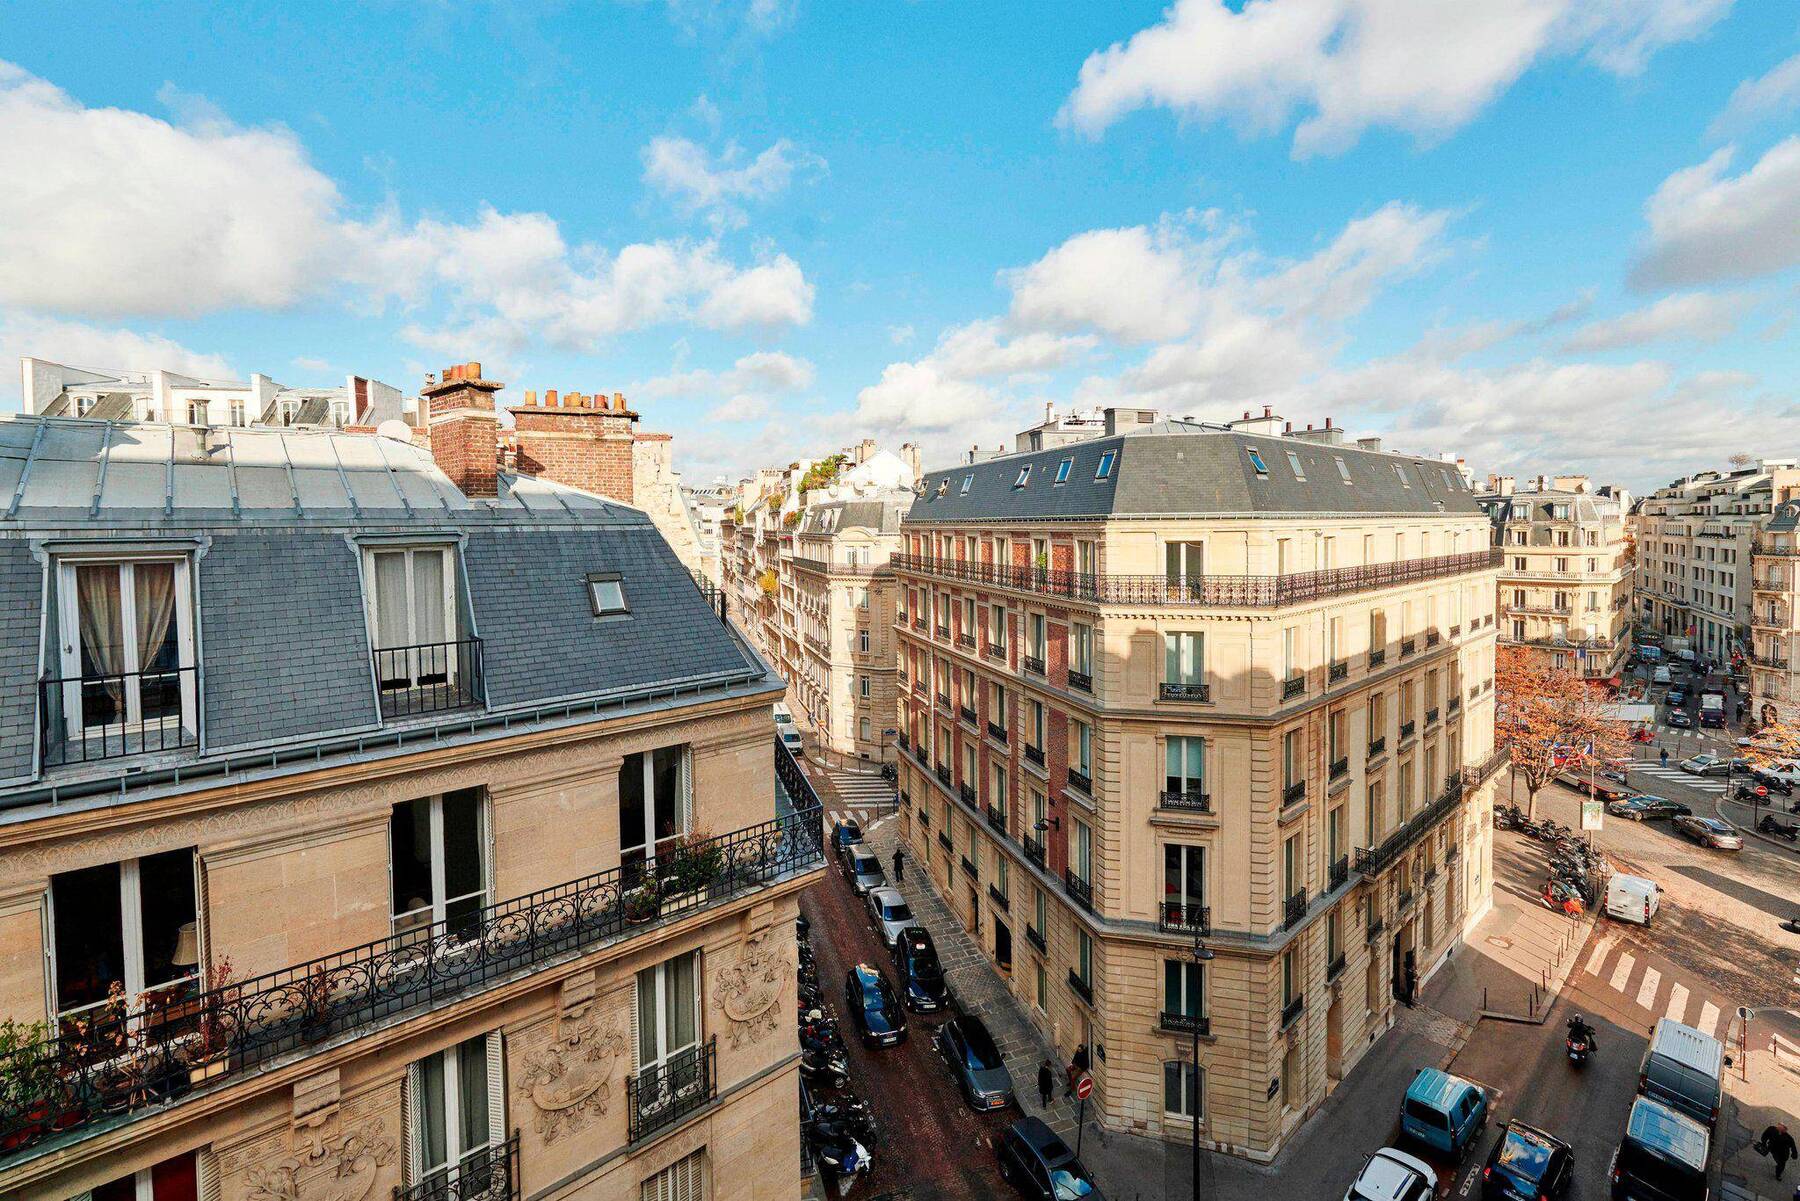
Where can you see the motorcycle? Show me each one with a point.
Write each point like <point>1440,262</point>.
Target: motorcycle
<point>1776,828</point>
<point>1580,1047</point>
<point>840,1157</point>
<point>1563,897</point>
<point>824,1069</point>
<point>852,1115</point>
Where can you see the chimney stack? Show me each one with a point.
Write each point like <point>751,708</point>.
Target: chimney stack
<point>464,428</point>
<point>578,439</point>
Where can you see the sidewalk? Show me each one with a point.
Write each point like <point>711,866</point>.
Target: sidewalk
<point>1767,1097</point>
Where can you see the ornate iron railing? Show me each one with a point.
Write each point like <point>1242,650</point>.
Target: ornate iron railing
<point>996,731</point>
<point>1185,692</point>
<point>1337,671</point>
<point>1293,687</point>
<point>1406,730</point>
<point>1227,591</point>
<point>966,641</point>
<point>661,1095</point>
<point>1340,872</point>
<point>1292,1011</point>
<point>430,677</point>
<point>1035,937</point>
<point>1185,1023</point>
<point>1335,968</point>
<point>967,713</point>
<point>969,868</point>
<point>1034,850</point>
<point>966,791</point>
<point>1032,663</point>
<point>1080,779</point>
<point>1293,910</point>
<point>1082,988</point>
<point>1080,680</point>
<point>490,1174</point>
<point>1080,890</point>
<point>996,819</point>
<point>1172,917</point>
<point>1294,792</point>
<point>1407,647</point>
<point>86,718</point>
<point>999,898</point>
<point>1339,766</point>
<point>124,1061</point>
<point>1377,746</point>
<point>1377,658</point>
<point>1034,754</point>
<point>1190,800</point>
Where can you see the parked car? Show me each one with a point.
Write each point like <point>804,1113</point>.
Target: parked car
<point>922,985</point>
<point>873,1007</point>
<point>1443,1112</point>
<point>1646,808</point>
<point>1527,1164</point>
<point>1705,764</point>
<point>1677,697</point>
<point>862,868</point>
<point>1632,898</point>
<point>1709,832</point>
<point>1662,1156</point>
<point>975,1060</point>
<point>1390,1175</point>
<point>1041,1166</point>
<point>845,833</point>
<point>1679,719</point>
<point>1681,1069</point>
<point>891,913</point>
<point>790,738</point>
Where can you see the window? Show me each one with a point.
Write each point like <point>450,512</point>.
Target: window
<point>1062,471</point>
<point>1184,659</point>
<point>1333,938</point>
<point>1293,757</point>
<point>1082,853</point>
<point>1024,476</point>
<point>1377,630</point>
<point>653,801</point>
<point>1035,719</point>
<point>131,924</point>
<point>236,407</point>
<point>175,1179</point>
<point>967,482</point>
<point>455,1112</point>
<point>1336,736</point>
<point>1184,988</point>
<point>1104,471</point>
<point>1334,834</point>
<point>1184,563</point>
<point>1038,821</point>
<point>1043,990</point>
<point>1405,481</point>
<point>1184,881</point>
<point>196,412</point>
<point>1084,748</point>
<point>1294,462</point>
<point>862,641</point>
<point>1035,637</point>
<point>667,1018</point>
<point>1343,469</point>
<point>1040,912</point>
<point>1181,1089</point>
<point>683,1180</point>
<point>1081,648</point>
<point>1256,462</point>
<point>438,852</point>
<point>1084,957</point>
<point>997,790</point>
<point>863,729</point>
<point>1185,758</point>
<point>1293,866</point>
<point>128,663</point>
<point>1290,977</point>
<point>997,627</point>
<point>1372,813</point>
<point>862,687</point>
<point>1085,561</point>
<point>413,615</point>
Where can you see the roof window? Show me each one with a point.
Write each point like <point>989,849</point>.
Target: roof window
<point>1294,462</point>
<point>1062,471</point>
<point>943,487</point>
<point>1344,469</point>
<point>1024,476</point>
<point>1400,471</point>
<point>968,482</point>
<point>606,592</point>
<point>1104,471</point>
<point>1256,461</point>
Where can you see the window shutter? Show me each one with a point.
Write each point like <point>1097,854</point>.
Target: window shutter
<point>687,789</point>
<point>409,1116</point>
<point>496,1088</point>
<point>206,1175</point>
<point>637,987</point>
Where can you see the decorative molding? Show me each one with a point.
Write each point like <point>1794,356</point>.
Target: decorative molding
<point>342,1167</point>
<point>749,989</point>
<point>568,1080</point>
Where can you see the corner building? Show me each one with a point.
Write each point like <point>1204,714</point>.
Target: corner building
<point>1201,680</point>
<point>365,838</point>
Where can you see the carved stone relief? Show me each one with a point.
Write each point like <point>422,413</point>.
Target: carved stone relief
<point>568,1080</point>
<point>748,989</point>
<point>342,1166</point>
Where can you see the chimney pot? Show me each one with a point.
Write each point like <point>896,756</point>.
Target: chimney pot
<point>474,370</point>
<point>1328,423</point>
<point>1288,428</point>
<point>530,399</point>
<point>1246,414</point>
<point>550,401</point>
<point>618,400</point>
<point>1268,411</point>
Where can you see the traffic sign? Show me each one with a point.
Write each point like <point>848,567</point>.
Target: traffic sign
<point>1084,1087</point>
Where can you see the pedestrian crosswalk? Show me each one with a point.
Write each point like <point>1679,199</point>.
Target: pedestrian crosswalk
<point>1644,986</point>
<point>862,790</point>
<point>1676,775</point>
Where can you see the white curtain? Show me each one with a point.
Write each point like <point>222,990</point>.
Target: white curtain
<point>102,637</point>
<point>154,588</point>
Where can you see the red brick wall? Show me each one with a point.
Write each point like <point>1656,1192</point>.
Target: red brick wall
<point>588,449</point>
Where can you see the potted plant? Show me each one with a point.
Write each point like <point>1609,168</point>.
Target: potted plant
<point>315,1003</point>
<point>27,1074</point>
<point>642,903</point>
<point>213,1044</point>
<point>695,863</point>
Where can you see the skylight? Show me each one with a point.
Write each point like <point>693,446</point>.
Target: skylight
<point>1401,472</point>
<point>968,481</point>
<point>606,593</point>
<point>1256,461</point>
<point>1062,470</point>
<point>1024,476</point>
<point>1344,469</point>
<point>1104,471</point>
<point>1294,462</point>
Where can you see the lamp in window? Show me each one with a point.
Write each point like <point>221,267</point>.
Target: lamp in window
<point>187,946</point>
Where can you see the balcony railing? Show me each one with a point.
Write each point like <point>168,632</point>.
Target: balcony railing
<point>1340,766</point>
<point>999,899</point>
<point>966,791</point>
<point>428,678</point>
<point>966,641</point>
<point>943,631</point>
<point>903,740</point>
<point>1293,687</point>
<point>1035,937</point>
<point>1223,591</point>
<point>1082,988</point>
<point>1185,692</point>
<point>1081,891</point>
<point>1175,918</point>
<point>1032,663</point>
<point>944,840</point>
<point>942,771</point>
<point>969,868</point>
<point>1340,872</point>
<point>1407,647</point>
<point>1188,800</point>
<point>1453,704</point>
<point>1337,671</point>
<point>489,1174</point>
<point>1377,657</point>
<point>1081,681</point>
<point>1034,850</point>
<point>1432,638</point>
<point>1377,746</point>
<point>1431,716</point>
<point>1185,1023</point>
<point>1335,968</point>
<point>996,819</point>
<point>1293,792</point>
<point>1372,860</point>
<point>661,1095</point>
<point>1293,910</point>
<point>91,717</point>
<point>993,651</point>
<point>996,731</point>
<point>131,1062</point>
<point>1291,1013</point>
<point>1081,780</point>
<point>1406,729</point>
<point>1034,754</point>
<point>967,713</point>
<point>1376,926</point>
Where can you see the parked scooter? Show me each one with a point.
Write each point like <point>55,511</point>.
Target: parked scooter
<point>1562,896</point>
<point>1776,828</point>
<point>824,1069</point>
<point>853,1115</point>
<point>840,1157</point>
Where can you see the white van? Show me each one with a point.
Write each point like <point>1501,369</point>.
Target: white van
<point>783,715</point>
<point>1632,898</point>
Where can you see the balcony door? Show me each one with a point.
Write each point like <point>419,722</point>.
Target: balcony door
<point>124,942</point>
<point>438,856</point>
<point>653,807</point>
<point>666,1025</point>
<point>412,607</point>
<point>456,1121</point>
<point>127,653</point>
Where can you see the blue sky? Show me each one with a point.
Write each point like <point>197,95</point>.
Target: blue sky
<point>1548,235</point>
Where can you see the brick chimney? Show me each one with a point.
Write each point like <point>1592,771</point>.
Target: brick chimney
<point>465,428</point>
<point>580,440</point>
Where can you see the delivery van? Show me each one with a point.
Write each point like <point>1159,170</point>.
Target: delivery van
<point>1632,898</point>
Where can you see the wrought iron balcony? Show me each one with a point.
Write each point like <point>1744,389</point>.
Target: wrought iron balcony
<point>1340,872</point>
<point>1376,926</point>
<point>1432,638</point>
<point>1337,671</point>
<point>1373,860</point>
<point>1293,792</point>
<point>1407,647</point>
<point>1431,716</point>
<point>969,868</point>
<point>1431,875</point>
<point>1377,746</point>
<point>999,898</point>
<point>1188,800</point>
<point>925,816</point>
<point>903,740</point>
<point>1292,688</point>
<point>1293,910</point>
<point>1340,766</point>
<point>966,641</point>
<point>1082,988</point>
<point>661,1095</point>
<point>967,713</point>
<point>966,791</point>
<point>996,819</point>
<point>1175,918</point>
<point>943,702</point>
<point>1081,681</point>
<point>1335,968</point>
<point>1035,937</point>
<point>1034,754</point>
<point>428,678</point>
<point>1080,779</point>
<point>1185,1023</point>
<point>1080,891</point>
<point>1034,850</point>
<point>489,1174</point>
<point>942,771</point>
<point>126,1063</point>
<point>1455,631</point>
<point>1185,692</point>
<point>1407,728</point>
<point>996,731</point>
<point>943,631</point>
<point>1377,657</point>
<point>86,718</point>
<point>1404,901</point>
<point>944,840</point>
<point>1453,704</point>
<point>993,650</point>
<point>1292,1011</point>
<point>1032,663</point>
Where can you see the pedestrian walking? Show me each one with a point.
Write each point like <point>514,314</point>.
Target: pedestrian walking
<point>1665,756</point>
<point>1778,1145</point>
<point>1412,986</point>
<point>1078,1067</point>
<point>899,867</point>
<point>1046,1084</point>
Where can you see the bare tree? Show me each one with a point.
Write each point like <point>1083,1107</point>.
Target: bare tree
<point>1551,720</point>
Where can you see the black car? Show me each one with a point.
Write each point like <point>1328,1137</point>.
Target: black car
<point>1647,808</point>
<point>845,834</point>
<point>874,1008</point>
<point>1040,1165</point>
<point>980,1070</point>
<point>1679,720</point>
<point>1527,1164</point>
<point>1677,697</point>
<point>921,976</point>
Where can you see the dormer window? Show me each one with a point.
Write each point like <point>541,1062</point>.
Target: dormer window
<point>125,680</point>
<point>1256,462</point>
<point>1024,476</point>
<point>1104,471</point>
<point>422,662</point>
<point>1062,471</point>
<point>606,592</point>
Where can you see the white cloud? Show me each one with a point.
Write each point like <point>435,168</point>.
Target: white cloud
<point>80,344</point>
<point>1776,94</point>
<point>1134,285</point>
<point>1338,282</point>
<point>1698,316</point>
<point>982,348</point>
<point>1422,66</point>
<point>1707,226</point>
<point>763,371</point>
<point>698,182</point>
<point>303,363</point>
<point>767,295</point>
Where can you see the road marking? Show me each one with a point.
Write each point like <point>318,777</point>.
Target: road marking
<point>1599,956</point>
<point>1646,995</point>
<point>1622,972</point>
<point>1709,1017</point>
<point>1678,999</point>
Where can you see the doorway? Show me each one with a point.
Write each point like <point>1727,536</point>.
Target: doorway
<point>1002,945</point>
<point>975,912</point>
<point>1334,1039</point>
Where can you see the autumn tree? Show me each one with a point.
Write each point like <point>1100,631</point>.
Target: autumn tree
<point>1550,720</point>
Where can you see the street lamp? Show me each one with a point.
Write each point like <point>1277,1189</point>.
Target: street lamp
<point>1202,954</point>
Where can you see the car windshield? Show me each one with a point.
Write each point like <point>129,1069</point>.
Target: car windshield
<point>1715,825</point>
<point>1069,1183</point>
<point>979,1051</point>
<point>864,864</point>
<point>923,962</point>
<point>1523,1157</point>
<point>895,911</point>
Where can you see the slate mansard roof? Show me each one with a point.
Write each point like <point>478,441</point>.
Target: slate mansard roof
<point>274,523</point>
<point>1180,469</point>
